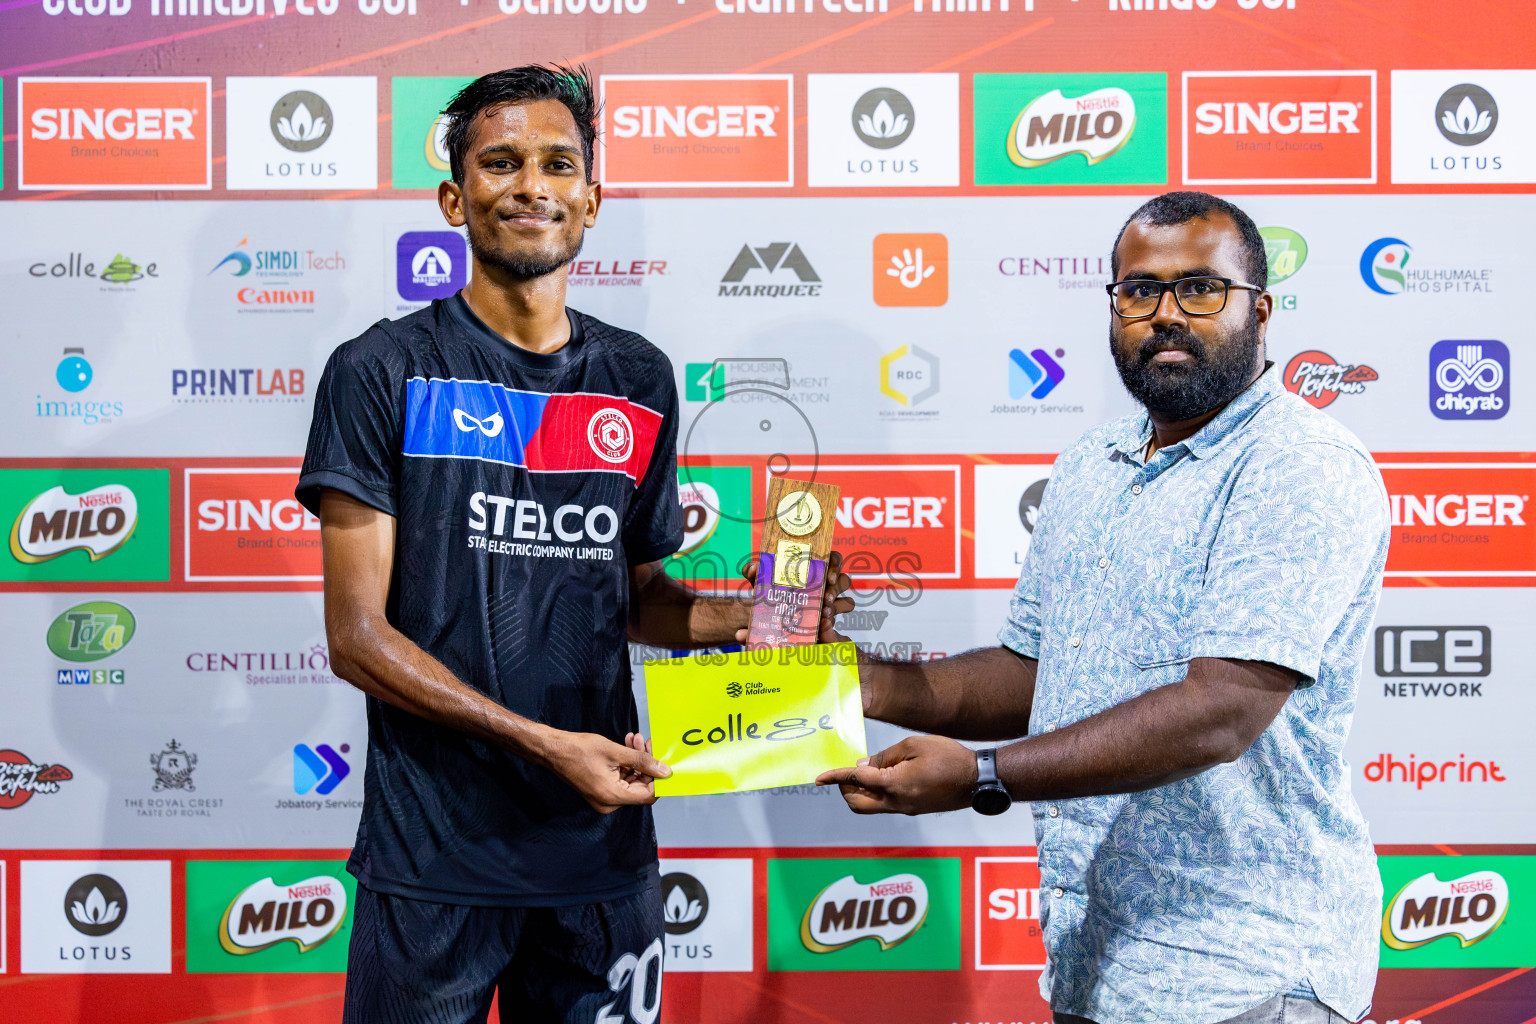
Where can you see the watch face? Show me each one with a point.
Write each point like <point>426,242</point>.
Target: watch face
<point>991,800</point>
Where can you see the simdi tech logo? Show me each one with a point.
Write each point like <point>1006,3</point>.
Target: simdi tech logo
<point>111,134</point>
<point>864,915</point>
<point>1071,129</point>
<point>86,524</point>
<point>911,270</point>
<point>418,131</point>
<point>268,916</point>
<point>1279,127</point>
<point>1466,911</point>
<point>883,131</point>
<point>697,131</point>
<point>1463,127</point>
<point>301,133</point>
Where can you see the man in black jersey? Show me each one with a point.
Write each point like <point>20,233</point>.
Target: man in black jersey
<point>496,482</point>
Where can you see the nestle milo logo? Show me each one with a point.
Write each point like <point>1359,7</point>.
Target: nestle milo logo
<point>1470,908</point>
<point>91,631</point>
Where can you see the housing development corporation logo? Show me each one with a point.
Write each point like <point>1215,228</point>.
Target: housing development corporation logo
<point>21,778</point>
<point>1469,380</point>
<point>301,133</point>
<point>688,131</point>
<point>1450,127</point>
<point>1319,378</point>
<point>911,270</point>
<point>781,261</point>
<point>1279,127</point>
<point>883,131</point>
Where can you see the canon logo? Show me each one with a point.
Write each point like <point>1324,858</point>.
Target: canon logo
<point>892,513</point>
<point>702,122</point>
<point>1458,509</point>
<point>1313,117</point>
<point>119,123</point>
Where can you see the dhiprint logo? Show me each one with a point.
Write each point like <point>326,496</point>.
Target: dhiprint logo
<point>1319,378</point>
<point>685,902</point>
<point>1449,127</point>
<point>1469,380</point>
<point>1035,374</point>
<point>1382,265</point>
<point>1470,908</point>
<point>20,778</point>
<point>490,426</point>
<point>1466,114</point>
<point>301,121</point>
<point>1050,127</point>
<point>95,905</point>
<point>780,259</point>
<point>611,435</point>
<point>883,118</point>
<point>911,270</point>
<point>430,265</point>
<point>319,768</point>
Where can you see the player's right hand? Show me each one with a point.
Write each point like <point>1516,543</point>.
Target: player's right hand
<point>608,775</point>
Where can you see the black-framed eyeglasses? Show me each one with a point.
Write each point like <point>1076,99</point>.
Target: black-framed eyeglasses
<point>1196,296</point>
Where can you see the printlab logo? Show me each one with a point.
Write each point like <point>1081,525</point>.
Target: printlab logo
<point>1035,374</point>
<point>301,121</point>
<point>1469,380</point>
<point>1466,114</point>
<point>1319,378</point>
<point>909,375</point>
<point>911,270</point>
<point>95,905</point>
<point>782,261</point>
<point>20,778</point>
<point>319,768</point>
<point>883,118</point>
<point>173,768</point>
<point>685,902</point>
<point>430,265</point>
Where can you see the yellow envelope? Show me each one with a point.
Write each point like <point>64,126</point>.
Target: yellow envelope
<point>754,719</point>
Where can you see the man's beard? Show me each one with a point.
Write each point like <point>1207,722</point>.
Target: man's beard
<point>1174,392</point>
<point>522,266</point>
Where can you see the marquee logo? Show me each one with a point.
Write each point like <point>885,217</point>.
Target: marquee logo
<point>1052,126</point>
<point>1279,127</point>
<point>306,913</point>
<point>115,133</point>
<point>1469,380</point>
<point>1470,908</point>
<point>1319,378</point>
<point>56,522</point>
<point>782,260</point>
<point>691,131</point>
<point>848,911</point>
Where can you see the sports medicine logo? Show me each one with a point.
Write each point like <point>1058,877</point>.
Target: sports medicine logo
<point>782,260</point>
<point>1319,378</point>
<point>319,768</point>
<point>1469,380</point>
<point>883,131</point>
<point>911,270</point>
<point>430,265</point>
<point>1035,375</point>
<point>697,131</point>
<point>115,133</point>
<point>20,778</point>
<point>244,525</point>
<point>1463,127</point>
<point>301,133</point>
<point>1279,127</point>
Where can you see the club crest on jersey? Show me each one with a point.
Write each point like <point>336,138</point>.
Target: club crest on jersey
<point>610,434</point>
<point>490,426</point>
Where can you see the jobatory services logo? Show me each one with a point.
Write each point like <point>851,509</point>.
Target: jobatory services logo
<point>1433,661</point>
<point>320,768</point>
<point>1008,936</point>
<point>824,916</point>
<point>301,133</point>
<point>909,376</point>
<point>418,129</point>
<point>74,375</point>
<point>90,632</point>
<point>112,134</point>
<point>1033,375</point>
<point>697,131</point>
<point>1466,911</point>
<point>1385,269</point>
<point>1469,380</point>
<point>268,916</point>
<point>21,779</point>
<point>243,524</point>
<point>883,131</point>
<point>1071,129</point>
<point>1279,127</point>
<point>1463,127</point>
<point>430,265</point>
<point>911,270</point>
<point>787,267</point>
<point>1007,510</point>
<point>96,917</point>
<point>1458,522</point>
<point>906,516</point>
<point>1319,378</point>
<point>75,524</point>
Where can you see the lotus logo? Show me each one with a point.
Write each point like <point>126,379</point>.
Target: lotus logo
<point>883,118</point>
<point>685,904</point>
<point>733,689</point>
<point>95,905</point>
<point>1470,907</point>
<point>1029,505</point>
<point>301,121</point>
<point>490,426</point>
<point>1466,114</point>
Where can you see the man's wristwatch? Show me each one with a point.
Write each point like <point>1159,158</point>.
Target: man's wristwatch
<point>989,796</point>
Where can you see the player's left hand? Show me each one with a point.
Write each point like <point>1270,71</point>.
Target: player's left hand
<point>834,601</point>
<point>919,775</point>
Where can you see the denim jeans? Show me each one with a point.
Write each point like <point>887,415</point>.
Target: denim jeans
<point>1279,1010</point>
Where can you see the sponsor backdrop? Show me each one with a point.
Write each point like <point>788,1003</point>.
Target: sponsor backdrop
<point>872,236</point>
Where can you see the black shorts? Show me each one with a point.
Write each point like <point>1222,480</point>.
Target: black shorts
<point>416,962</point>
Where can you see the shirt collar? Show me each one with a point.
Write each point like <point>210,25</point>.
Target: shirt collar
<point>1132,437</point>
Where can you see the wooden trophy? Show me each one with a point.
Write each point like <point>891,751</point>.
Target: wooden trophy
<point>792,565</point>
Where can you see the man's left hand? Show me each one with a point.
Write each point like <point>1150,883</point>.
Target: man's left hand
<point>919,775</point>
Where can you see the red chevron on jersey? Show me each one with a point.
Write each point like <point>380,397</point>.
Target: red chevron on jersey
<point>594,432</point>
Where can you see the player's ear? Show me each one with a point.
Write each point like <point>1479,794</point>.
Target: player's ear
<point>450,199</point>
<point>594,200</point>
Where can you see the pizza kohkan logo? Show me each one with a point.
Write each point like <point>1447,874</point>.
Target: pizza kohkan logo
<point>690,131</point>
<point>264,913</point>
<point>20,778</point>
<point>888,911</point>
<point>1469,908</point>
<point>245,524</point>
<point>1050,127</point>
<point>1319,378</point>
<point>56,522</point>
<point>115,133</point>
<point>1279,127</point>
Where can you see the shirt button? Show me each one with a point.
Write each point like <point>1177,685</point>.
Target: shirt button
<point>1058,892</point>
<point>1054,812</point>
<point>1103,563</point>
<point>1076,641</point>
<point>1136,489</point>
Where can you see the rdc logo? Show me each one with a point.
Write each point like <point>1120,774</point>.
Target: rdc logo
<point>1469,380</point>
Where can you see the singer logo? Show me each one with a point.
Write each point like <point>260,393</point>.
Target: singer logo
<point>1279,127</point>
<point>906,516</point>
<point>697,131</point>
<point>246,525</point>
<point>1470,908</point>
<point>115,133</point>
<point>1008,914</point>
<point>1458,522</point>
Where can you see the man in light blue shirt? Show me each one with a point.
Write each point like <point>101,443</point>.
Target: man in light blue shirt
<point>1182,653</point>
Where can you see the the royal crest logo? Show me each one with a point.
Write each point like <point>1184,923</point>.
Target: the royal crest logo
<point>173,768</point>
<point>611,435</point>
<point>1319,378</point>
<point>305,913</point>
<point>56,522</point>
<point>1052,126</point>
<point>1470,907</point>
<point>848,911</point>
<point>20,778</point>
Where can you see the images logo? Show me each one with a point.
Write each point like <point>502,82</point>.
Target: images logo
<point>1064,129</point>
<point>430,265</point>
<point>1035,375</point>
<point>909,375</point>
<point>1470,908</point>
<point>74,375</point>
<point>320,769</point>
<point>822,918</point>
<point>95,905</point>
<point>1319,378</point>
<point>774,258</point>
<point>1469,380</point>
<point>697,131</point>
<point>1279,127</point>
<point>173,768</point>
<point>91,631</point>
<point>20,778</point>
<point>1466,114</point>
<point>115,133</point>
<point>911,270</point>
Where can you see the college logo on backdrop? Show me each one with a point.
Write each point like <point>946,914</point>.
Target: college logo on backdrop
<point>96,917</point>
<point>1319,378</point>
<point>1279,127</point>
<point>1008,936</point>
<point>697,131</point>
<point>301,133</point>
<point>1071,129</point>
<point>908,515</point>
<point>1472,911</point>
<point>911,270</point>
<point>1454,522</point>
<point>86,524</point>
<point>1007,511</point>
<point>418,129</point>
<point>260,916</point>
<point>1469,380</point>
<point>246,525</point>
<point>707,913</point>
<point>1463,127</point>
<point>21,778</point>
<point>776,270</point>
<point>864,915</point>
<point>115,133</point>
<point>883,131</point>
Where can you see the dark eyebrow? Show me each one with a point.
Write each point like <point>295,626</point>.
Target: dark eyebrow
<point>1191,272</point>
<point>563,148</point>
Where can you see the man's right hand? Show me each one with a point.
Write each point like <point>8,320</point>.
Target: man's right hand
<point>608,775</point>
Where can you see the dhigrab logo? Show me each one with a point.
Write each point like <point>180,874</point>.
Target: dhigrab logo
<point>1469,380</point>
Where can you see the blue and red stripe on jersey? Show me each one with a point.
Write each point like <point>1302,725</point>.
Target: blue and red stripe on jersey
<point>542,433</point>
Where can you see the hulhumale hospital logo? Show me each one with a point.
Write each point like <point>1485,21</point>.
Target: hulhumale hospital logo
<point>1389,266</point>
<point>1382,265</point>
